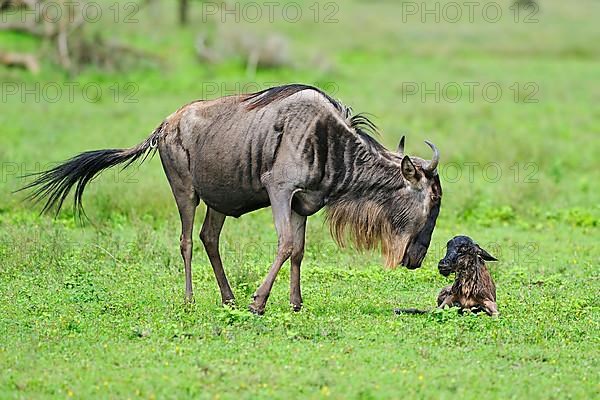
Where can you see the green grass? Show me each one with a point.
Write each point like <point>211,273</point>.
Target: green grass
<point>97,311</point>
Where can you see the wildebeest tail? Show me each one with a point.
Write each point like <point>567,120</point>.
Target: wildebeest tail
<point>55,184</point>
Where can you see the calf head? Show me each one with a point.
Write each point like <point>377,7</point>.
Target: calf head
<point>462,251</point>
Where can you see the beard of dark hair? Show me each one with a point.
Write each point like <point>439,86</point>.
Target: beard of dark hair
<point>368,226</point>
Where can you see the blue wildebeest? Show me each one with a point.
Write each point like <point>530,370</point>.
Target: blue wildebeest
<point>293,148</point>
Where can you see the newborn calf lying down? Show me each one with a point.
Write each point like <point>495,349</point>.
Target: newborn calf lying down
<point>473,289</point>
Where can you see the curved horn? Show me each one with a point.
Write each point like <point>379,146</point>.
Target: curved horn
<point>435,159</point>
<point>401,147</point>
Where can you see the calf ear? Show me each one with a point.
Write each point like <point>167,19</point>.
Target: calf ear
<point>408,170</point>
<point>485,255</point>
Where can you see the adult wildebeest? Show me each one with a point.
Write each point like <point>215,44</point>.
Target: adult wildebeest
<point>291,147</point>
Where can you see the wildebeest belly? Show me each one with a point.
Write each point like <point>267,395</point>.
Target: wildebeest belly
<point>231,201</point>
<point>220,190</point>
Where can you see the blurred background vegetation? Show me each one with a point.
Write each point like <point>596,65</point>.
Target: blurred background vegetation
<point>97,311</point>
<point>529,149</point>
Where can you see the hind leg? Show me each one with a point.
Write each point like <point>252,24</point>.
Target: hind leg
<point>187,200</point>
<point>298,228</point>
<point>211,230</point>
<point>187,204</point>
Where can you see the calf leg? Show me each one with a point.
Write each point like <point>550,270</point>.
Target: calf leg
<point>448,301</point>
<point>282,214</point>
<point>490,307</point>
<point>211,230</point>
<point>298,229</point>
<point>445,292</point>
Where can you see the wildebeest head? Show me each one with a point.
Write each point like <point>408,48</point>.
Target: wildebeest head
<point>397,211</point>
<point>458,249</point>
<point>417,205</point>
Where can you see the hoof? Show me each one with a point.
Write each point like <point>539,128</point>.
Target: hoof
<point>229,303</point>
<point>296,307</point>
<point>189,299</point>
<point>256,310</point>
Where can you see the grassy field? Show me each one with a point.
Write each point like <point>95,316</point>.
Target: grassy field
<point>97,311</point>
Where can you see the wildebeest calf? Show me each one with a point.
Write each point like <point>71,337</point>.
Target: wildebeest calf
<point>473,289</point>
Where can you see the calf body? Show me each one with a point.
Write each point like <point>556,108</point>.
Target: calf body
<point>473,288</point>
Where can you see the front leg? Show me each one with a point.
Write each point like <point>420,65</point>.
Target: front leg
<point>445,292</point>
<point>282,213</point>
<point>448,301</point>
<point>491,308</point>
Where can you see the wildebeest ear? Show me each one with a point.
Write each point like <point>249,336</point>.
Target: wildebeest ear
<point>401,146</point>
<point>485,255</point>
<point>408,169</point>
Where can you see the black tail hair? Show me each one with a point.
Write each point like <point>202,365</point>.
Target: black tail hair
<point>56,183</point>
